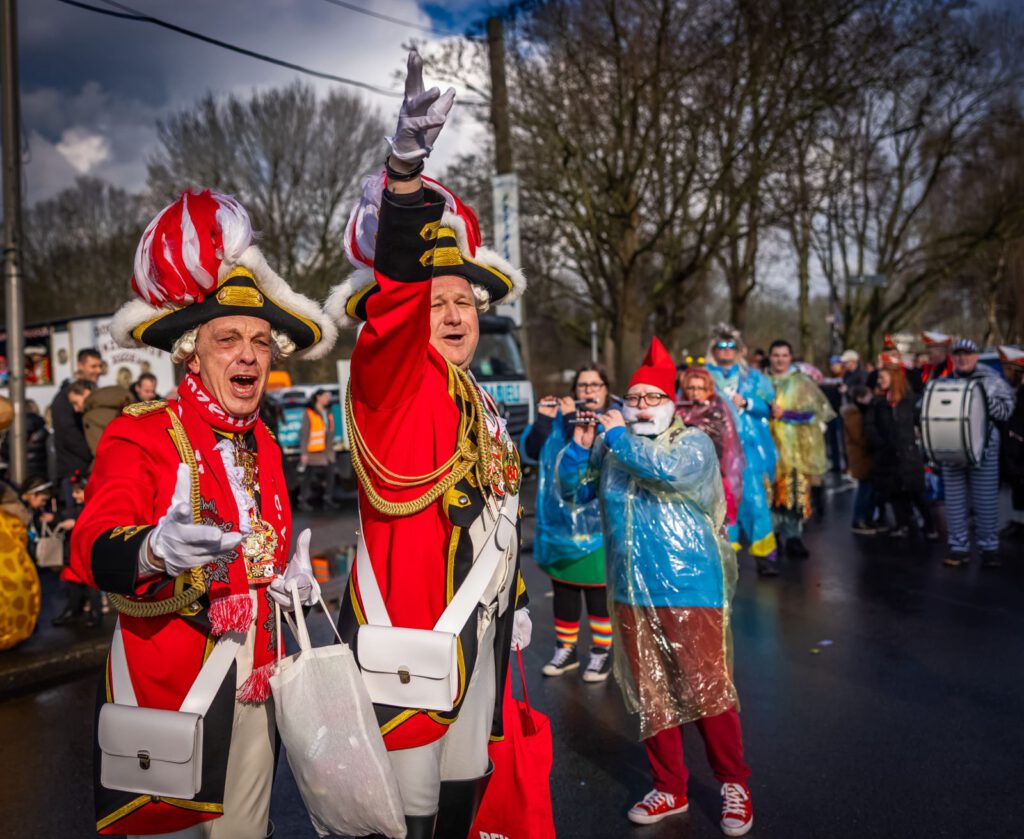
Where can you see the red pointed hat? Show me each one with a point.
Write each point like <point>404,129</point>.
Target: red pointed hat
<point>657,370</point>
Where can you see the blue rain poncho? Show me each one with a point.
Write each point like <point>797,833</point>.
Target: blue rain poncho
<point>568,538</point>
<point>671,569</point>
<point>753,526</point>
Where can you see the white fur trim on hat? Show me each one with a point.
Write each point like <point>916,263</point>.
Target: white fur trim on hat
<point>337,301</point>
<point>136,312</point>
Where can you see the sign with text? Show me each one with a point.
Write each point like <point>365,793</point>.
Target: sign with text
<point>506,231</point>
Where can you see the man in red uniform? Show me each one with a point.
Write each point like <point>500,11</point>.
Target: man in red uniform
<point>433,458</point>
<point>187,524</point>
<point>940,360</point>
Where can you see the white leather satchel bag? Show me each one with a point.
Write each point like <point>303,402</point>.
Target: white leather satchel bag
<point>419,668</point>
<point>152,751</point>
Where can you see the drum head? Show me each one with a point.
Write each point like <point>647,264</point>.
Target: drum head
<point>976,423</point>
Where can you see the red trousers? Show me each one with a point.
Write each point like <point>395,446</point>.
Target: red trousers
<point>723,741</point>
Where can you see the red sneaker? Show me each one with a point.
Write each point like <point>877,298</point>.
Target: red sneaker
<point>737,811</point>
<point>656,805</point>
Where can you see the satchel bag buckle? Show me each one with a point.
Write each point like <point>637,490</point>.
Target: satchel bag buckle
<point>404,676</point>
<point>143,759</point>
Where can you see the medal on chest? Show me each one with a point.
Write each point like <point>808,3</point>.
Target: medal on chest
<point>259,547</point>
<point>502,470</point>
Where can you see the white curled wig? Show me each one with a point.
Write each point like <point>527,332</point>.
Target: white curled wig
<point>185,347</point>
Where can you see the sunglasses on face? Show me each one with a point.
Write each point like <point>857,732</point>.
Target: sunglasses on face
<point>653,400</point>
<point>725,345</point>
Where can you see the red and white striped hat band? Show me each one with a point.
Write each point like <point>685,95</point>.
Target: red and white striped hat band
<point>187,253</point>
<point>1011,355</point>
<point>182,249</point>
<point>932,339</point>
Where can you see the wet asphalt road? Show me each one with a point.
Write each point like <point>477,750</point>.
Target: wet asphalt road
<point>907,724</point>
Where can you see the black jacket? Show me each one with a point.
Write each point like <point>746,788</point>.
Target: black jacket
<point>890,430</point>
<point>73,452</point>
<point>1013,441</point>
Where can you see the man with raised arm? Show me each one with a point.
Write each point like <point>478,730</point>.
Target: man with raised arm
<point>438,473</point>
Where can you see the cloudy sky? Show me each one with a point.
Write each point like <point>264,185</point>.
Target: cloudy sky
<point>94,86</point>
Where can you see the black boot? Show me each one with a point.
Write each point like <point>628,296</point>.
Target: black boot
<point>459,803</point>
<point>796,549</point>
<point>768,566</point>
<point>421,827</point>
<point>68,616</point>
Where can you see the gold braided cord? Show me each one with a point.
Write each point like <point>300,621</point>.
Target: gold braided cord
<point>186,597</point>
<point>466,456</point>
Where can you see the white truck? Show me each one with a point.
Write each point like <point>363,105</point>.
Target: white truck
<point>51,348</point>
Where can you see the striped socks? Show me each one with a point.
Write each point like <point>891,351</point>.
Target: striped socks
<point>601,632</point>
<point>567,633</point>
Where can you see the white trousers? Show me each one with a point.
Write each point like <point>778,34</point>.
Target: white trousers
<point>462,752</point>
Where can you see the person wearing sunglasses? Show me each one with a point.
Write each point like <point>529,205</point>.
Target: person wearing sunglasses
<point>568,543</point>
<point>749,394</point>
<point>671,579</point>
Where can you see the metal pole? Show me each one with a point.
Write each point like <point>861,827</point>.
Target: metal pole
<point>501,123</point>
<point>593,341</point>
<point>12,237</point>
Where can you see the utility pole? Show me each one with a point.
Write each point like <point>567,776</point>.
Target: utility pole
<point>12,237</point>
<point>506,182</point>
<point>499,96</point>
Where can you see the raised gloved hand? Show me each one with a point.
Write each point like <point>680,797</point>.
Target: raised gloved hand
<point>299,573</point>
<point>422,115</point>
<point>179,544</point>
<point>522,629</point>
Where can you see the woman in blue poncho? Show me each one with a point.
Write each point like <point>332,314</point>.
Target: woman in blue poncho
<point>568,544</point>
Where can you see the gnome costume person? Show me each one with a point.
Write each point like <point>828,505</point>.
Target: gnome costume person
<point>671,580</point>
<point>437,469</point>
<point>187,523</point>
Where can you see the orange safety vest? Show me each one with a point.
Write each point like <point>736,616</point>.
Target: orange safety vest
<point>317,432</point>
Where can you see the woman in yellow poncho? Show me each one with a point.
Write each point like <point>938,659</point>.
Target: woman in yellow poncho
<point>799,413</point>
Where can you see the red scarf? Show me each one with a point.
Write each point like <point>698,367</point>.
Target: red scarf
<point>227,584</point>
<point>192,391</point>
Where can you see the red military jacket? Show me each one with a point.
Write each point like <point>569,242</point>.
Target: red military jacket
<point>406,408</point>
<point>129,490</point>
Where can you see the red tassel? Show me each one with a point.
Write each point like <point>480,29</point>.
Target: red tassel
<point>256,689</point>
<point>231,614</point>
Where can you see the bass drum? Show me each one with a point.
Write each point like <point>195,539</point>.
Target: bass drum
<point>954,422</point>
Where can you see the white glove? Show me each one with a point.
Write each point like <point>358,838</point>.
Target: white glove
<point>299,574</point>
<point>178,541</point>
<point>422,115</point>
<point>522,629</point>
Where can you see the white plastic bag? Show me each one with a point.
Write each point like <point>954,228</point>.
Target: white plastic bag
<point>334,745</point>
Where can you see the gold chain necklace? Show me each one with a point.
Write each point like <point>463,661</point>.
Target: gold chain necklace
<point>464,459</point>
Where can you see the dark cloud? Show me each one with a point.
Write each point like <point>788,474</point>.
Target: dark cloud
<point>94,86</point>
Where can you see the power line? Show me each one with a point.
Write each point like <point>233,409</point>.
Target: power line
<point>128,13</point>
<point>354,8</point>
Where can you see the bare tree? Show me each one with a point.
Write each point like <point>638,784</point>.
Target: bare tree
<point>295,161</point>
<point>906,133</point>
<point>79,247</point>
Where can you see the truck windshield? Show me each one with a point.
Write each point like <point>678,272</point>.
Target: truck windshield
<point>497,357</point>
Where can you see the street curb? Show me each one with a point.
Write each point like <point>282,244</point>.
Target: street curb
<point>46,671</point>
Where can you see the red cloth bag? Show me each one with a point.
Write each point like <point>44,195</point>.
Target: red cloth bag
<point>517,804</point>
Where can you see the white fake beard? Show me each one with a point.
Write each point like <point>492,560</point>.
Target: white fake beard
<point>663,415</point>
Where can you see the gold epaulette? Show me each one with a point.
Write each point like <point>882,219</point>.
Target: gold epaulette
<point>140,409</point>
